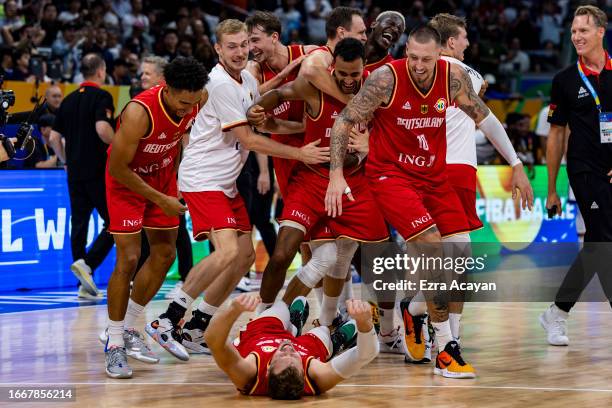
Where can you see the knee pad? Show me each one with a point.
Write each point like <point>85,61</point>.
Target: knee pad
<point>323,259</point>
<point>344,255</point>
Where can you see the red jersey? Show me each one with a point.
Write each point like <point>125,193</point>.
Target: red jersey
<point>263,336</point>
<point>408,136</point>
<point>160,147</point>
<point>375,65</point>
<point>288,110</point>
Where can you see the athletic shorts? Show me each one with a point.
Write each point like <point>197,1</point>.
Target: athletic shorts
<point>462,177</point>
<point>305,205</point>
<point>413,207</point>
<point>130,212</point>
<point>214,210</point>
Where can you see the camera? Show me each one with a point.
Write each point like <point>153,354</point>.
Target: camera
<point>24,133</point>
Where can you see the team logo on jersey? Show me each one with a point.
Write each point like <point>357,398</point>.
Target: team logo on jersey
<point>334,115</point>
<point>407,106</point>
<point>162,136</point>
<point>582,93</point>
<point>424,109</point>
<point>268,349</point>
<point>551,110</point>
<point>440,105</point>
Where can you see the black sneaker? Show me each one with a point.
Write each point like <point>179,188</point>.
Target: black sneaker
<point>298,313</point>
<point>344,337</point>
<point>193,333</point>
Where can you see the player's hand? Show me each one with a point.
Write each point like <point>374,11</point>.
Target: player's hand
<point>361,312</point>
<point>263,183</point>
<point>256,115</point>
<point>291,66</point>
<point>521,182</point>
<point>359,141</point>
<point>312,154</point>
<point>172,207</point>
<point>553,200</point>
<point>336,189</point>
<point>246,302</point>
<point>483,89</point>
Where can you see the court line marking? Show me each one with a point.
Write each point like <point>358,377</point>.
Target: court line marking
<point>10,263</point>
<point>22,190</point>
<point>398,386</point>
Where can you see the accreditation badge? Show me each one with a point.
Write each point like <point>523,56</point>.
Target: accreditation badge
<point>605,127</point>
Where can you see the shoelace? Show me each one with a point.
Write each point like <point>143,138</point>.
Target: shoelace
<point>559,327</point>
<point>396,340</point>
<point>455,353</point>
<point>117,357</point>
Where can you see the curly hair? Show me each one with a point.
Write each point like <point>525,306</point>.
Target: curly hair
<point>287,384</point>
<point>185,73</point>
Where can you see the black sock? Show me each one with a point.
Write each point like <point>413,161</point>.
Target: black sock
<point>175,313</point>
<point>199,320</point>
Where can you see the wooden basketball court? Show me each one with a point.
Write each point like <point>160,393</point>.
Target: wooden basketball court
<point>503,341</point>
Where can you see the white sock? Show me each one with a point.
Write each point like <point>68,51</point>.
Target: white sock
<point>346,294</point>
<point>443,333</point>
<point>386,320</point>
<point>115,333</point>
<point>554,309</point>
<point>183,299</point>
<point>132,313</point>
<point>206,308</point>
<point>329,309</point>
<point>417,306</point>
<point>319,294</point>
<point>261,307</point>
<point>455,323</point>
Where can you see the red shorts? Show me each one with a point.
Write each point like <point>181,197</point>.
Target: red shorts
<point>462,177</point>
<point>305,205</point>
<point>284,168</point>
<point>214,210</point>
<point>412,207</point>
<point>130,212</point>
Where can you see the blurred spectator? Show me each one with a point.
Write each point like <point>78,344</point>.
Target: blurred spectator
<point>121,74</point>
<point>152,72</point>
<point>317,11</point>
<point>49,24</point>
<point>21,67</point>
<point>65,48</point>
<point>121,7</point>
<point>516,60</point>
<point>485,151</point>
<point>185,49</point>
<point>524,29</point>
<point>550,24</point>
<point>290,18</point>
<point>72,14</point>
<point>42,156</point>
<point>111,19</point>
<point>168,47</point>
<point>11,21</point>
<point>135,16</point>
<point>525,142</point>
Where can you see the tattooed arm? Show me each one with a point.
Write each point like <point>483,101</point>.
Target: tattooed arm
<point>462,93</point>
<point>376,90</point>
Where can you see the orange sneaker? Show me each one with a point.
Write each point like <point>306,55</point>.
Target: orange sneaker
<point>375,315</point>
<point>413,334</point>
<point>450,364</point>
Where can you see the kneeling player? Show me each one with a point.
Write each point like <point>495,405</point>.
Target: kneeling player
<point>270,360</point>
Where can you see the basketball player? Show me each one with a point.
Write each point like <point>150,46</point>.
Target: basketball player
<point>218,146</point>
<point>406,102</point>
<point>385,32</point>
<point>270,360</point>
<point>141,193</point>
<point>304,213</point>
<point>461,173</point>
<point>342,22</point>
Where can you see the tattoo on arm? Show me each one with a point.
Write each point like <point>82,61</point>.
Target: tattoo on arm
<point>376,90</point>
<point>462,92</point>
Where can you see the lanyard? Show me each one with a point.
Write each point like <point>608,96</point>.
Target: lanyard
<point>587,83</point>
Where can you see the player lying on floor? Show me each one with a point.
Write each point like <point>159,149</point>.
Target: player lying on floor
<point>267,359</point>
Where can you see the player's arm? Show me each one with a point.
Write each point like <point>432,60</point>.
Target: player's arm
<point>238,369</point>
<point>377,90</point>
<point>281,126</point>
<point>310,153</point>
<point>263,181</point>
<point>134,124</point>
<point>315,70</point>
<point>463,94</point>
<point>327,375</point>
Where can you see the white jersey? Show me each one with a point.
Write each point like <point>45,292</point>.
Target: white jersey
<point>213,158</point>
<point>460,128</point>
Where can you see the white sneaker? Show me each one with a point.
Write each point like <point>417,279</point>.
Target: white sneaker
<point>175,289</point>
<point>555,325</point>
<point>83,294</point>
<point>83,273</point>
<point>244,285</point>
<point>391,343</point>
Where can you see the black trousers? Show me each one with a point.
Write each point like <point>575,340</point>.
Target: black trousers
<point>594,198</point>
<point>85,196</point>
<point>258,206</point>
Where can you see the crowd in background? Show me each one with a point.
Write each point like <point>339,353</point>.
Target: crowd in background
<point>44,40</point>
